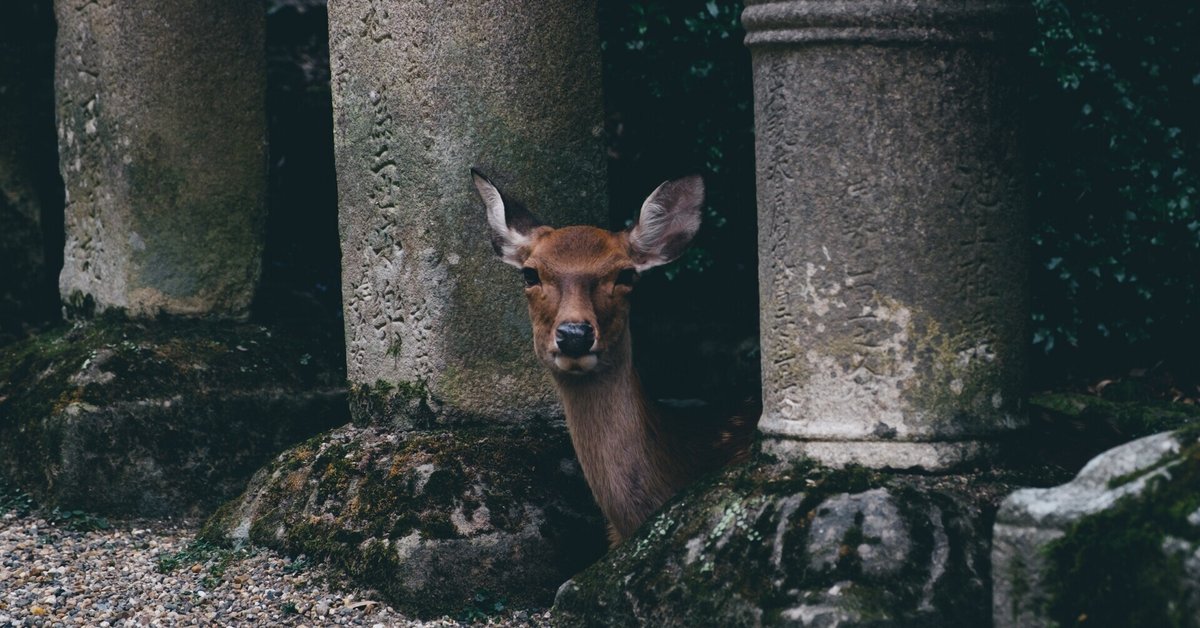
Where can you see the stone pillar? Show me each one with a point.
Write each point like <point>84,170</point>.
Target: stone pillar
<point>162,131</point>
<point>422,92</point>
<point>28,163</point>
<point>892,228</point>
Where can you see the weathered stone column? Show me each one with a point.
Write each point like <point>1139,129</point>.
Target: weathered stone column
<point>892,229</point>
<point>162,130</point>
<point>422,92</point>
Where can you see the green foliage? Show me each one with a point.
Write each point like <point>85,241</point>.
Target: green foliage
<point>679,100</point>
<point>196,552</point>
<point>77,520</point>
<point>1115,136</point>
<point>1114,144</point>
<point>14,500</point>
<point>484,605</point>
<point>300,564</point>
<point>215,557</point>
<point>678,91</point>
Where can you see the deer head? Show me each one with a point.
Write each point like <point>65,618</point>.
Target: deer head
<point>578,279</point>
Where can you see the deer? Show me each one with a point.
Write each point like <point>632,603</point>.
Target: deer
<point>578,282</point>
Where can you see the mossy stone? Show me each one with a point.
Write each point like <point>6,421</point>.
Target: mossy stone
<point>169,417</point>
<point>1119,545</point>
<point>427,518</point>
<point>771,543</point>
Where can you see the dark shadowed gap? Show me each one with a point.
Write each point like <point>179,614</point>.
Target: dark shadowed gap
<point>301,278</point>
<point>27,38</point>
<point>678,100</point>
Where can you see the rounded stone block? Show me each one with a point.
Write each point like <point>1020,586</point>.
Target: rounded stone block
<point>162,142</point>
<point>421,93</point>
<point>892,229</point>
<point>768,544</point>
<point>428,519</point>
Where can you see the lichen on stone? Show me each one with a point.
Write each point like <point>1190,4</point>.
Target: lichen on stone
<point>427,517</point>
<point>766,543</point>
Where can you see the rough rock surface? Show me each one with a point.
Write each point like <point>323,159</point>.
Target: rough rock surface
<point>773,544</point>
<point>429,519</point>
<point>169,417</point>
<point>1120,543</point>
<point>162,145</point>
<point>892,228</point>
<point>154,573</point>
<point>421,93</point>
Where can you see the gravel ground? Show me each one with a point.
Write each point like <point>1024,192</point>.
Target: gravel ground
<point>153,573</point>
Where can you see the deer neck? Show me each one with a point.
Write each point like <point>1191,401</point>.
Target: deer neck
<point>626,457</point>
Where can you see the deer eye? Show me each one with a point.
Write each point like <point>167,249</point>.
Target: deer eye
<point>626,277</point>
<point>531,277</point>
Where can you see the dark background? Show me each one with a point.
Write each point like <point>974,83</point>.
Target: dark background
<point>1113,94</point>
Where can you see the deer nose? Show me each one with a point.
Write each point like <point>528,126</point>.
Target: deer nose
<point>574,339</point>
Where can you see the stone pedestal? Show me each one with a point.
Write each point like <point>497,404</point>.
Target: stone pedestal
<point>160,418</point>
<point>892,229</point>
<point>421,93</point>
<point>766,544</point>
<point>429,519</point>
<point>162,130</point>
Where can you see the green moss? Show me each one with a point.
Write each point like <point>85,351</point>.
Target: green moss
<point>386,403</point>
<point>1126,478</point>
<point>1110,568</point>
<point>351,496</point>
<point>1018,578</point>
<point>148,386</point>
<point>1132,419</point>
<point>79,305</point>
<point>957,391</point>
<point>437,525</point>
<point>15,500</point>
<point>709,557</point>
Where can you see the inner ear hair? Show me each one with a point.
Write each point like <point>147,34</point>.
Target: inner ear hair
<point>669,219</point>
<point>511,224</point>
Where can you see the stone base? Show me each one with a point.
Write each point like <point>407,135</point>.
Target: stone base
<point>162,418</point>
<point>768,544</point>
<point>895,455</point>
<point>1119,543</point>
<point>429,519</point>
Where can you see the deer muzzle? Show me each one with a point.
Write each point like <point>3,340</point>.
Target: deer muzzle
<point>574,340</point>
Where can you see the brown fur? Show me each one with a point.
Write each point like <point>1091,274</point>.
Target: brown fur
<point>634,456</point>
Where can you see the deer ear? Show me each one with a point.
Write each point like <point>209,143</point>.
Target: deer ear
<point>669,220</point>
<point>511,224</point>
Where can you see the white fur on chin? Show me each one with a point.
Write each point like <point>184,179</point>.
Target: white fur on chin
<point>576,365</point>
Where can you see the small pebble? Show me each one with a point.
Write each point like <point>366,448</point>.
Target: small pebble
<point>52,576</point>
